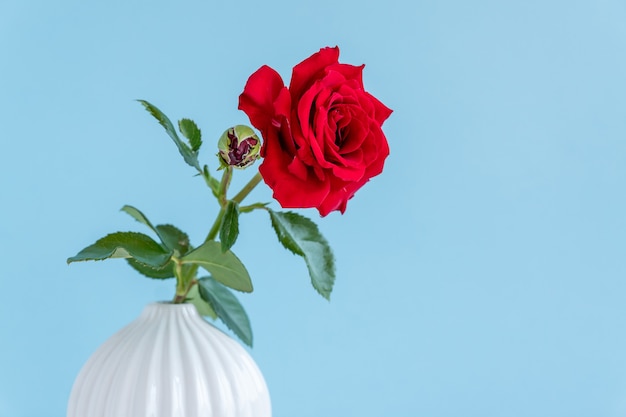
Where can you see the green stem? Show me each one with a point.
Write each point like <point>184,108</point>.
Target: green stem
<point>224,184</point>
<point>247,188</point>
<point>216,225</point>
<point>254,181</point>
<point>179,297</point>
<point>223,200</point>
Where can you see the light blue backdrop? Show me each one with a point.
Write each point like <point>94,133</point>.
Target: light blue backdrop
<point>483,274</point>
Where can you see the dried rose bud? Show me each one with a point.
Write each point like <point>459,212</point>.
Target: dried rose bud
<point>238,147</point>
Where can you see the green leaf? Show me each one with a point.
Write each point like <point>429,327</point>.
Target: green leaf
<point>190,156</point>
<point>190,130</point>
<point>230,226</point>
<point>223,266</point>
<point>126,245</point>
<point>162,273</point>
<point>204,308</point>
<point>212,182</point>
<point>138,215</point>
<point>301,236</point>
<point>227,307</point>
<point>173,238</point>
<point>249,208</point>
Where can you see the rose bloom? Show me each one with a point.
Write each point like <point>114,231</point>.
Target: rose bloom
<point>322,135</point>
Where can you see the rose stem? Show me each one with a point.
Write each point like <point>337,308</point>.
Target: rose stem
<point>216,225</point>
<point>247,188</point>
<point>221,196</point>
<point>254,181</point>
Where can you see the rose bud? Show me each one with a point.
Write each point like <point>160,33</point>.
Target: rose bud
<point>238,147</point>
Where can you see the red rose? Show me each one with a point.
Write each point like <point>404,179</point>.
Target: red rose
<point>322,135</point>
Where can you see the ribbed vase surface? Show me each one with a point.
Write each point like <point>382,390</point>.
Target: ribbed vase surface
<point>170,362</point>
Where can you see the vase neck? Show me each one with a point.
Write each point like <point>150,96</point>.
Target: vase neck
<point>167,309</point>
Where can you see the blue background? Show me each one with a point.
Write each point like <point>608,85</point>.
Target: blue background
<point>483,274</point>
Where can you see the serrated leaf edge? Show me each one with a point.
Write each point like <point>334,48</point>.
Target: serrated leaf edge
<point>293,247</point>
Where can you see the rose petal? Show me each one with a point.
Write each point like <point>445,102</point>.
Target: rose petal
<point>320,138</point>
<point>349,72</point>
<point>306,72</point>
<point>375,167</point>
<point>297,168</point>
<point>261,91</point>
<point>381,112</point>
<point>289,190</point>
<point>303,112</point>
<point>337,198</point>
<point>281,122</point>
<point>348,173</point>
<point>354,134</point>
<point>291,193</point>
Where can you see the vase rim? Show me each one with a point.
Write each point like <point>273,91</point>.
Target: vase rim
<point>168,305</point>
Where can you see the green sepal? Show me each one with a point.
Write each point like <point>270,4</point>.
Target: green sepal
<point>190,156</point>
<point>302,237</point>
<point>223,266</point>
<point>126,245</point>
<point>230,226</point>
<point>190,130</point>
<point>204,308</point>
<point>211,181</point>
<point>227,307</point>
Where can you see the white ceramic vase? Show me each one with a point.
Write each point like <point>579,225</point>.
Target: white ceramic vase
<point>170,362</point>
